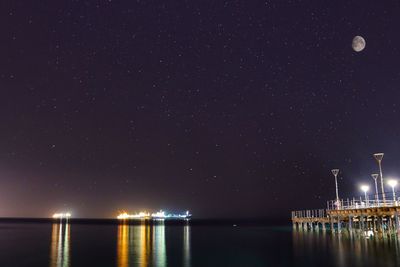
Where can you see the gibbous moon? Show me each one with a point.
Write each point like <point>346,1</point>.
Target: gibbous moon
<point>358,44</point>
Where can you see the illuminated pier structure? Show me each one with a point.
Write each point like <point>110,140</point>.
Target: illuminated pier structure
<point>368,217</point>
<point>160,215</point>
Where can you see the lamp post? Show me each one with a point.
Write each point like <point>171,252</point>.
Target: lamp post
<point>378,157</point>
<point>393,184</point>
<point>365,188</point>
<point>375,177</point>
<point>335,173</point>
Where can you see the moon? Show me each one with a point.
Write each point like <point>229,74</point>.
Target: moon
<point>358,44</point>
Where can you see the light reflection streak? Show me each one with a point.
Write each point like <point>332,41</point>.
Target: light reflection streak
<point>145,244</point>
<point>133,245</point>
<point>123,246</point>
<point>66,245</point>
<point>186,246</point>
<point>346,249</point>
<point>159,251</point>
<point>141,245</point>
<point>60,245</point>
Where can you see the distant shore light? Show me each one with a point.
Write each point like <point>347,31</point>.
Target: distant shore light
<point>62,215</point>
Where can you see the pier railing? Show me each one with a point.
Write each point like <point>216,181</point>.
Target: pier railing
<point>350,204</point>
<point>318,213</point>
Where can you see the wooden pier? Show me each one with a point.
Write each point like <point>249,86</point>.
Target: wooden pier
<point>375,217</point>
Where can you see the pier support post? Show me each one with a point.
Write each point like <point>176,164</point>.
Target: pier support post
<point>361,223</point>
<point>338,225</point>
<point>350,223</point>
<point>323,227</point>
<point>382,225</point>
<point>379,224</point>
<point>390,224</point>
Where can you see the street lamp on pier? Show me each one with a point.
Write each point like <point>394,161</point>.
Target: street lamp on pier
<point>378,157</point>
<point>393,184</point>
<point>375,177</point>
<point>365,189</point>
<point>335,173</point>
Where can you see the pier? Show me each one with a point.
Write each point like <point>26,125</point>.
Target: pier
<point>369,217</point>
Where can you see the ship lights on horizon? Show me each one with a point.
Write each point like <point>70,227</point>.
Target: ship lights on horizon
<point>160,215</point>
<point>62,215</point>
<point>140,215</point>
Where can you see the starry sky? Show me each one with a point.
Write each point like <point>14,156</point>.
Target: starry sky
<point>225,108</point>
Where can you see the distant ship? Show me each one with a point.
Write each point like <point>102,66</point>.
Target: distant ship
<point>160,215</point>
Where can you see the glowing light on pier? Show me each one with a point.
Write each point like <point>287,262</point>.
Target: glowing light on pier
<point>365,189</point>
<point>393,184</point>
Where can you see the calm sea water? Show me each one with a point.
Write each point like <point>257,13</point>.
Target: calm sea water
<point>76,245</point>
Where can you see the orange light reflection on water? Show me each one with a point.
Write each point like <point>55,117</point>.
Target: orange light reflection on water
<point>141,245</point>
<point>60,245</point>
<point>123,246</point>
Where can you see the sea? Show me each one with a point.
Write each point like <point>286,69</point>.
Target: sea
<point>108,244</point>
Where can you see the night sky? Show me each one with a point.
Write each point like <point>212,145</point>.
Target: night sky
<point>225,108</point>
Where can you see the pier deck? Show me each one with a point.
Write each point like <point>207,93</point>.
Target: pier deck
<point>374,215</point>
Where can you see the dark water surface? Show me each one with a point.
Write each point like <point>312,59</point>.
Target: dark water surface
<point>76,245</point>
